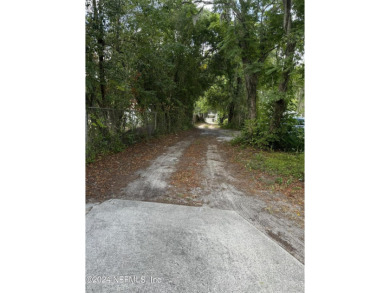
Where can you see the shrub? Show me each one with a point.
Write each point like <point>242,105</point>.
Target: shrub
<point>101,144</point>
<point>257,133</point>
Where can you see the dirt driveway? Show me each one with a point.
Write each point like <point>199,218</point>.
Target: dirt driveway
<point>195,171</point>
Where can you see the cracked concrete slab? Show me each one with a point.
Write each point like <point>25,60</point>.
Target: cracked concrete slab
<point>135,246</point>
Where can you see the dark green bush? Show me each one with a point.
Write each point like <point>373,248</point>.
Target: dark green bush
<point>102,145</point>
<point>257,133</point>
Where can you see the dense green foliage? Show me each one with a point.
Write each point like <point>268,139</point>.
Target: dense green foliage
<point>147,57</point>
<point>263,47</point>
<point>151,55</point>
<point>257,133</point>
<point>150,65</point>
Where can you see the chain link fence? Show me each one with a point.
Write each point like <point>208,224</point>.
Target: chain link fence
<point>111,130</point>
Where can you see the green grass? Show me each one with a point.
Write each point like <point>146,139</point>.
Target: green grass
<point>288,165</point>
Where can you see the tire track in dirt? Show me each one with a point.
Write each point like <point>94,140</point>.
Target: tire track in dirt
<point>153,181</point>
<point>219,191</point>
<point>106,177</point>
<point>194,171</point>
<point>187,180</point>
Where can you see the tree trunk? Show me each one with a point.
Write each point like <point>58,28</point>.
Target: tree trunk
<point>231,113</point>
<point>251,81</point>
<point>232,105</point>
<point>91,98</point>
<point>280,106</point>
<point>100,49</point>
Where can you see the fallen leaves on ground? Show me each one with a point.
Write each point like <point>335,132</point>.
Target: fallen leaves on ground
<point>254,181</point>
<point>188,175</point>
<point>106,177</point>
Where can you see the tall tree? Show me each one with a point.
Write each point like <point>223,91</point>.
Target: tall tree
<point>252,36</point>
<point>293,32</point>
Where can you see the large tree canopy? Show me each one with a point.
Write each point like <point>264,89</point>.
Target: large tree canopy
<point>161,56</point>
